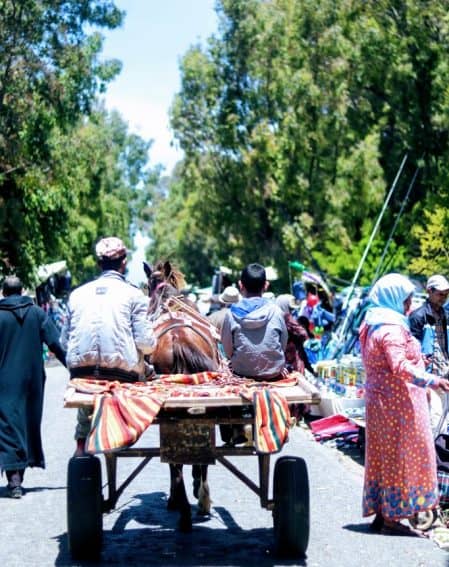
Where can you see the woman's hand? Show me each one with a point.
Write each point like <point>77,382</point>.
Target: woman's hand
<point>442,384</point>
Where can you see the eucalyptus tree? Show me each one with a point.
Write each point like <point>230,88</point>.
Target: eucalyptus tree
<point>263,119</point>
<point>50,74</point>
<point>102,171</point>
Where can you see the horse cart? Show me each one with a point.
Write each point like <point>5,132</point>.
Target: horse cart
<point>188,420</point>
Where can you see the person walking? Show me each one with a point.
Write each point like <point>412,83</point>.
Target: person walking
<point>107,331</point>
<point>24,327</point>
<point>400,463</point>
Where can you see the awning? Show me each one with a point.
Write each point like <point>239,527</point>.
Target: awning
<point>47,270</point>
<point>316,279</point>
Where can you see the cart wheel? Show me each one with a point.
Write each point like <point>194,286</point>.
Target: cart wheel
<point>291,513</point>
<point>84,507</point>
<point>423,520</point>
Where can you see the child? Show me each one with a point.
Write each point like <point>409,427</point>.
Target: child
<point>254,337</point>
<point>254,333</point>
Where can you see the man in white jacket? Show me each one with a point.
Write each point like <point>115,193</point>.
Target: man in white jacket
<point>107,331</point>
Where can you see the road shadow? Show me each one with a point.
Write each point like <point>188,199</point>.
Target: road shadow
<point>146,533</point>
<point>4,493</point>
<point>362,528</point>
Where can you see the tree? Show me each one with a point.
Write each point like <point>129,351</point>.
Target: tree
<point>100,180</point>
<point>294,120</point>
<point>50,74</point>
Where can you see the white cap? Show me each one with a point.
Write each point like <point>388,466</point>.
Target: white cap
<point>439,283</point>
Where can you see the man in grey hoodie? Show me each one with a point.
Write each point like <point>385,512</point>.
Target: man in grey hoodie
<point>254,334</point>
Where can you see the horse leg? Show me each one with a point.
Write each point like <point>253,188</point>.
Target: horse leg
<point>196,474</point>
<point>201,489</point>
<point>172,503</point>
<point>178,498</point>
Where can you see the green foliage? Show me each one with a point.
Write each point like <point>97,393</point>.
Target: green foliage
<point>102,171</point>
<point>294,120</point>
<point>433,239</point>
<point>64,179</point>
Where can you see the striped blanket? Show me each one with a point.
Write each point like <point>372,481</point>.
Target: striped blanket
<point>120,417</point>
<point>272,421</point>
<point>123,411</point>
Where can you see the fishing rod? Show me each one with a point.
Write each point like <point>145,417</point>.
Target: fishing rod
<point>393,230</point>
<point>368,246</point>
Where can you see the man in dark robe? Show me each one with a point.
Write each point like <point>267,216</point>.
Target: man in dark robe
<point>24,327</point>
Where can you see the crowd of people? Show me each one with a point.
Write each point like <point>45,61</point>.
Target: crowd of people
<point>106,333</point>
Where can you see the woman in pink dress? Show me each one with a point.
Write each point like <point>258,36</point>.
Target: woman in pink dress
<point>400,465</point>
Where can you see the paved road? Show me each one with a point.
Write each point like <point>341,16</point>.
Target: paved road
<point>140,531</point>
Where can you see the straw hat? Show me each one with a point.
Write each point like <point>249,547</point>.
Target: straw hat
<point>230,295</point>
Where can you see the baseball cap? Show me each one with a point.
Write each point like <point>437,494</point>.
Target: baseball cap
<point>111,248</point>
<point>438,283</point>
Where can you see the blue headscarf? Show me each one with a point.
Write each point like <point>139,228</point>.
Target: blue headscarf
<point>387,301</point>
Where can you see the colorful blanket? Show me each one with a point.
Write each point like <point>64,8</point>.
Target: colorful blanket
<point>120,417</point>
<point>123,411</point>
<point>272,421</point>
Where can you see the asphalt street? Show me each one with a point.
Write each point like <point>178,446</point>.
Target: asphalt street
<point>140,531</point>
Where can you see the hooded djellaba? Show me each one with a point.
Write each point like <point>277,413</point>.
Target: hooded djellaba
<point>24,327</point>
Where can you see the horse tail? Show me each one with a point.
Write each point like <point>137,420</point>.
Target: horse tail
<point>188,359</point>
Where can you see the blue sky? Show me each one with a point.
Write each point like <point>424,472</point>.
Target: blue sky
<point>150,43</point>
<point>153,38</point>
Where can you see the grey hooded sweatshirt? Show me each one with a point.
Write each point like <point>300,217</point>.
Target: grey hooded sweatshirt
<point>254,337</point>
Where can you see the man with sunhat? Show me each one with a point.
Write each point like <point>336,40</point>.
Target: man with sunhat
<point>428,324</point>
<point>106,332</point>
<point>229,296</point>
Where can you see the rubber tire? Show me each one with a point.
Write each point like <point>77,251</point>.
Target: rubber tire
<point>424,520</point>
<point>291,512</point>
<point>84,507</point>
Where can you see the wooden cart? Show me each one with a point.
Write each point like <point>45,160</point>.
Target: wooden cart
<point>187,428</point>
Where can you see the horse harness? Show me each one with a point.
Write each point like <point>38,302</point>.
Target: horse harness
<point>174,321</point>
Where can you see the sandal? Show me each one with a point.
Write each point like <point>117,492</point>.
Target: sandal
<point>396,528</point>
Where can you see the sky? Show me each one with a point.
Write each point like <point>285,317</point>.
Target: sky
<point>153,38</point>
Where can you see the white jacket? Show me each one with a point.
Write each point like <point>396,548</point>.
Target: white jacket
<point>107,328</point>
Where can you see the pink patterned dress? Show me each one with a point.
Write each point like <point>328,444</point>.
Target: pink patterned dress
<point>400,465</point>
